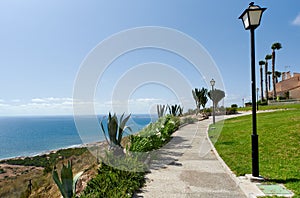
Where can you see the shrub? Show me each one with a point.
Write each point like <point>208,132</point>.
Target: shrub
<point>234,106</point>
<point>113,182</point>
<point>44,161</point>
<point>248,104</point>
<point>207,111</point>
<point>121,176</point>
<point>231,110</point>
<point>2,170</point>
<point>154,135</point>
<point>188,120</point>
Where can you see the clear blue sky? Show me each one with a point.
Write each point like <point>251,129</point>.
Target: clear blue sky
<point>43,44</point>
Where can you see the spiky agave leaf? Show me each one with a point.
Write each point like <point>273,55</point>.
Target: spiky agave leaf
<point>58,183</point>
<point>75,180</point>
<point>104,132</point>
<point>67,179</point>
<point>113,129</point>
<point>123,127</point>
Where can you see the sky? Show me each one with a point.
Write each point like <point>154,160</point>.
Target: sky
<point>46,44</point>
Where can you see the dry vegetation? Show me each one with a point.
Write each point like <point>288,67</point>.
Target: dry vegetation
<point>15,179</point>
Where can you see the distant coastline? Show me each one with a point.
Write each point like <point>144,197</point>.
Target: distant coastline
<point>30,136</point>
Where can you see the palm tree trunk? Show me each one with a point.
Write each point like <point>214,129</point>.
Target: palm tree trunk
<point>273,74</point>
<point>266,78</point>
<point>261,84</point>
<point>269,83</point>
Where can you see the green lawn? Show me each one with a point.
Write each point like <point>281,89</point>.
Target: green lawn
<point>279,146</point>
<point>272,107</point>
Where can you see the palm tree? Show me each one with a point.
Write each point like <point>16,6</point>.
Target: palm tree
<point>275,46</point>
<point>277,75</point>
<point>267,58</point>
<point>261,63</point>
<point>269,81</point>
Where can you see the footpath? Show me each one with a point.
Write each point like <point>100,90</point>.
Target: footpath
<point>189,166</point>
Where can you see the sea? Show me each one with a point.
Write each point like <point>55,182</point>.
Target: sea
<point>32,135</point>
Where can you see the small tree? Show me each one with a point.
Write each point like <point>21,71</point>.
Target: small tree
<point>196,98</point>
<point>216,96</point>
<point>203,97</point>
<point>200,97</point>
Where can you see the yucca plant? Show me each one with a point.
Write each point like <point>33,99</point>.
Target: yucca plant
<point>115,130</point>
<point>67,183</point>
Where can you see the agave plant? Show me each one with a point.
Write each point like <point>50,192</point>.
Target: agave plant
<point>66,183</point>
<point>115,130</point>
<point>175,110</point>
<point>161,109</point>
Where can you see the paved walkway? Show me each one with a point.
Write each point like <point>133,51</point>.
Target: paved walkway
<point>188,167</point>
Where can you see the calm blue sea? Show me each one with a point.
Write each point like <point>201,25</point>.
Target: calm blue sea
<point>27,136</point>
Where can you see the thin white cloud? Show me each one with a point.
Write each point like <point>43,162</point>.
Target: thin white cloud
<point>51,100</point>
<point>38,100</point>
<point>147,100</point>
<point>4,105</point>
<point>16,100</point>
<point>296,21</point>
<point>37,106</point>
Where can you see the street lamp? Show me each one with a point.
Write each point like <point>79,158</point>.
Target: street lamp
<point>251,19</point>
<point>257,90</point>
<point>212,83</point>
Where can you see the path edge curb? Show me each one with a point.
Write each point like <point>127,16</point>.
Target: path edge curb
<point>238,181</point>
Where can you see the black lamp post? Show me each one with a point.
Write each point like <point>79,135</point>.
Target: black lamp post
<point>251,19</point>
<point>212,83</point>
<point>257,90</point>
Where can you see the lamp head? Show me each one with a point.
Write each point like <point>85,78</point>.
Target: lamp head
<point>212,82</point>
<point>251,17</point>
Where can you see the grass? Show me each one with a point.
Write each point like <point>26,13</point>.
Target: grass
<point>272,107</point>
<point>279,146</point>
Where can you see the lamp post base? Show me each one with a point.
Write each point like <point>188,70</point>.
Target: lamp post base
<point>255,159</point>
<point>251,178</point>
